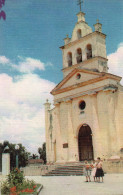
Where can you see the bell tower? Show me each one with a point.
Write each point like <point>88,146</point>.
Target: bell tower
<point>86,121</point>
<point>86,49</point>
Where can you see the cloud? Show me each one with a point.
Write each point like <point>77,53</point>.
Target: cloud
<point>4,60</point>
<point>115,61</point>
<point>22,115</point>
<point>25,65</point>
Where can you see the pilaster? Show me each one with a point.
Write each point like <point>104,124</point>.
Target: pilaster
<point>102,111</point>
<point>71,140</point>
<point>96,132</point>
<point>59,146</point>
<point>112,124</point>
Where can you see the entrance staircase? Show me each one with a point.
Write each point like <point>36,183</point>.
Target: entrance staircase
<point>67,169</point>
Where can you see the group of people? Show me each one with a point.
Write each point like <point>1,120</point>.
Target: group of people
<point>95,170</point>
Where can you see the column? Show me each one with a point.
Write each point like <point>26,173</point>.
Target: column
<point>5,163</point>
<point>47,108</point>
<point>59,146</point>
<point>112,125</point>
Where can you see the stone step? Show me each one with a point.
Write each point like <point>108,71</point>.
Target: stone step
<point>62,174</point>
<point>66,170</point>
<point>80,172</point>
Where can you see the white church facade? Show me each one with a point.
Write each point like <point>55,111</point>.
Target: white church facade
<point>87,118</point>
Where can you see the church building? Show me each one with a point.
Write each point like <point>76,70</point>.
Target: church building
<point>86,121</point>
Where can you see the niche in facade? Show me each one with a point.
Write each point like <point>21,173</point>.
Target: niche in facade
<point>79,33</point>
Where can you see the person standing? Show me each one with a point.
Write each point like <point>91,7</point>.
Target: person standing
<point>99,170</point>
<point>87,171</point>
<point>94,168</point>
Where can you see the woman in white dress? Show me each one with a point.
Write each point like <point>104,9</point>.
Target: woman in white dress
<point>94,168</point>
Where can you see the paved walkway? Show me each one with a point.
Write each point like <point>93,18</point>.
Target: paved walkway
<point>75,185</point>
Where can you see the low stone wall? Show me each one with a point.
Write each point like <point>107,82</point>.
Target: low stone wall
<point>109,166</point>
<point>37,170</point>
<point>113,166</point>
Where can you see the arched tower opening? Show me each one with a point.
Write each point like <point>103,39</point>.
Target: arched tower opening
<point>79,55</point>
<point>69,58</point>
<point>89,51</point>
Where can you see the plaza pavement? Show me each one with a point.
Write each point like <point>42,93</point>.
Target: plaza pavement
<point>76,185</point>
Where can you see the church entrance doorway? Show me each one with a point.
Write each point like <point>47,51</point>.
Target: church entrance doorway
<point>85,143</point>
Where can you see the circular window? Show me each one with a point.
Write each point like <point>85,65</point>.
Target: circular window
<point>82,105</point>
<point>78,76</point>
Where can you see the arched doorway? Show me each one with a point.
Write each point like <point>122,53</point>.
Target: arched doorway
<point>85,143</point>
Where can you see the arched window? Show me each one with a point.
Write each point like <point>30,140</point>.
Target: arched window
<point>69,58</point>
<point>79,33</point>
<point>89,51</point>
<point>79,55</point>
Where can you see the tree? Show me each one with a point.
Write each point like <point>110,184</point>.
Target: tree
<point>42,152</point>
<point>22,154</point>
<point>34,156</point>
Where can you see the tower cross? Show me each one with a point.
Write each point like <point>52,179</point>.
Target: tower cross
<point>80,3</point>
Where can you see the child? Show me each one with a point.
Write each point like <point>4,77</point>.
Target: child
<point>93,166</point>
<point>87,171</point>
<point>99,171</point>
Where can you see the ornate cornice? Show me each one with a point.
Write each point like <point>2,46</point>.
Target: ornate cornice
<point>82,38</point>
<point>101,77</point>
<point>88,92</point>
<point>91,60</point>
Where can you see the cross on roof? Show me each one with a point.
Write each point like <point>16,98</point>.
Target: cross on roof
<point>80,3</point>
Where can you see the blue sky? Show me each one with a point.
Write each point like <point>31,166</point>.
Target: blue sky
<point>30,58</point>
<point>36,28</point>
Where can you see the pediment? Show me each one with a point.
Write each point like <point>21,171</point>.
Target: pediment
<point>77,76</point>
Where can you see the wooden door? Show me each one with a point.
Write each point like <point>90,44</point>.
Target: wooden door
<point>85,144</point>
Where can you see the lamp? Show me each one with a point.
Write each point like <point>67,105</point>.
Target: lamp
<point>6,148</point>
<point>17,148</point>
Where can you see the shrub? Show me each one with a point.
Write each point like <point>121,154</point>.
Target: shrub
<point>16,184</point>
<point>15,177</point>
